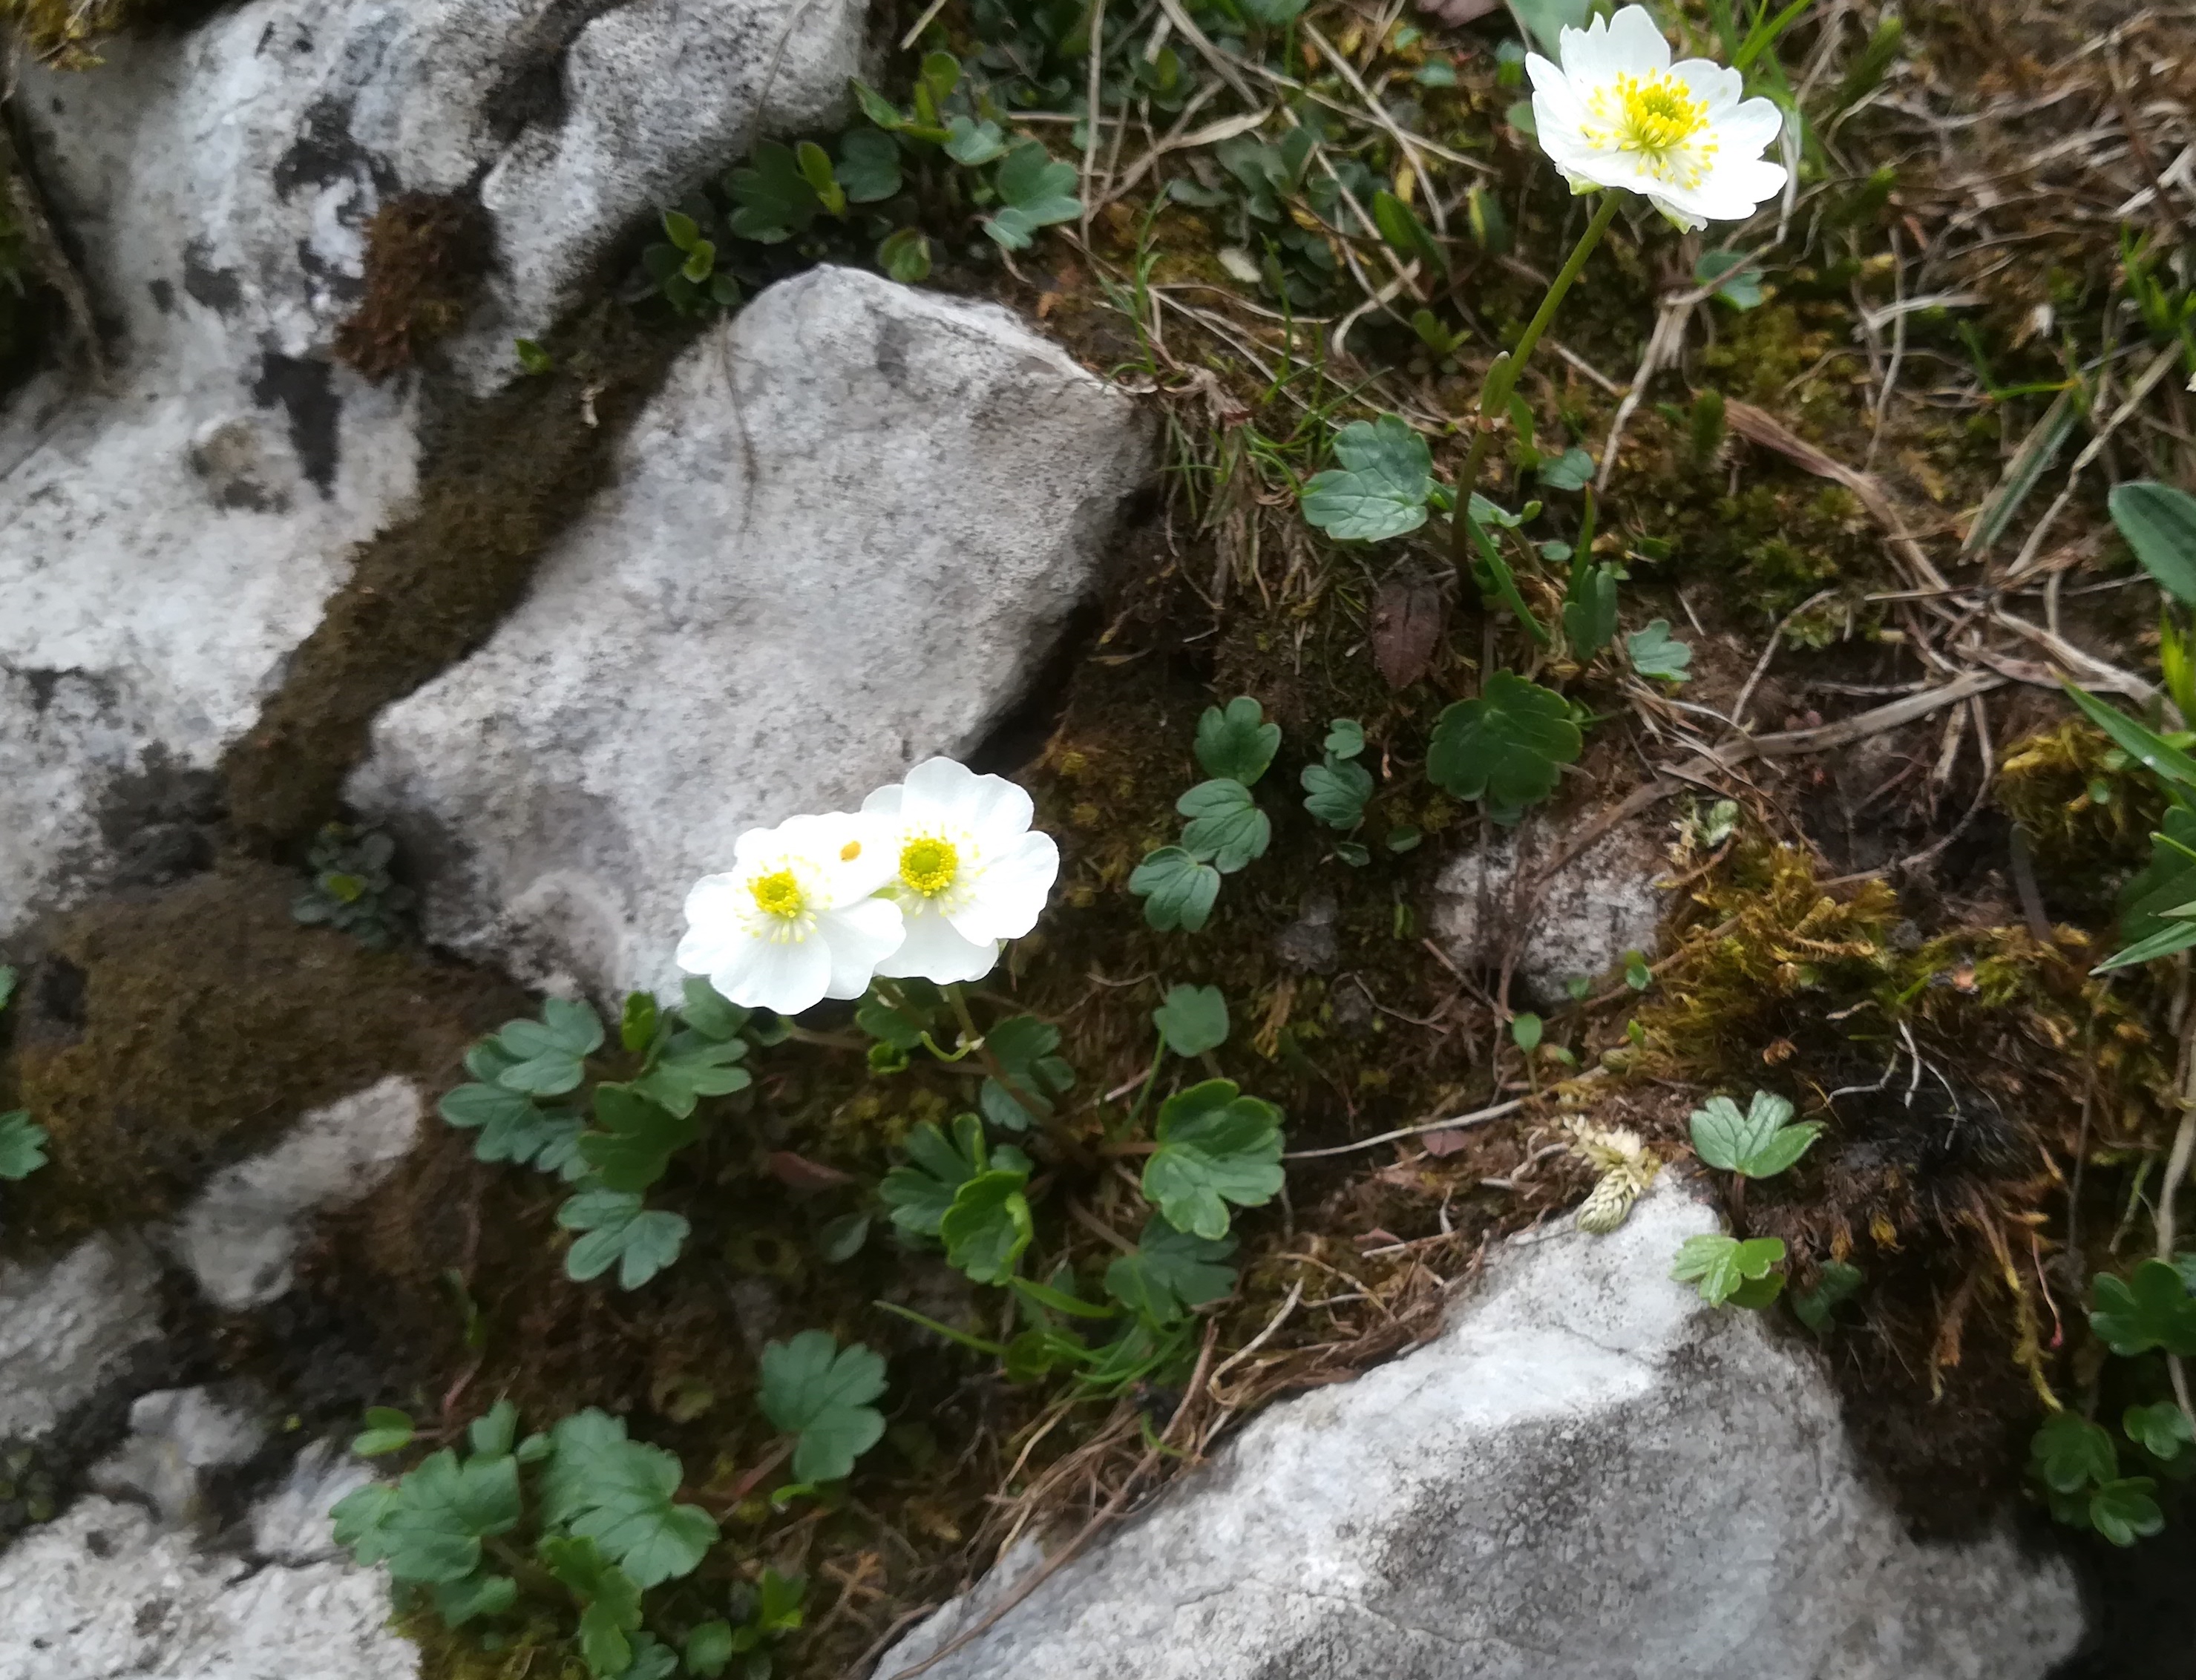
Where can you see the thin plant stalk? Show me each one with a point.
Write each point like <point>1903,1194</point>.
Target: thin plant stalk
<point>1502,377</point>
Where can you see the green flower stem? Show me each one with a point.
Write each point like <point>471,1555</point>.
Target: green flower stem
<point>1144,1096</point>
<point>996,1350</point>
<point>830,1041</point>
<point>1502,377</point>
<point>531,1579</point>
<point>1050,1124</point>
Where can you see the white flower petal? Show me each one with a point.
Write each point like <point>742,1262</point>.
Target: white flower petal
<point>937,790</point>
<point>787,975</point>
<point>936,951</point>
<point>1584,53</point>
<point>859,936</point>
<point>1634,43</point>
<point>1546,76</point>
<point>1715,85</point>
<point>858,856</point>
<point>714,897</point>
<point>1616,112</point>
<point>1011,894</point>
<point>1752,128</point>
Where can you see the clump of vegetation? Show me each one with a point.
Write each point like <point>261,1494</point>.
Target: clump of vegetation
<point>581,1524</point>
<point>352,890</point>
<point>538,1100</point>
<point>1225,830</point>
<point>22,1142</point>
<point>425,256</point>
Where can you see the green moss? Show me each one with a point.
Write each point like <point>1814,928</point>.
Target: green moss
<point>2087,813</point>
<point>1954,1074</point>
<point>159,1038</point>
<point>67,33</point>
<point>503,475</point>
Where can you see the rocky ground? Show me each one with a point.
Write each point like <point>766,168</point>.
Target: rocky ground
<point>460,468</point>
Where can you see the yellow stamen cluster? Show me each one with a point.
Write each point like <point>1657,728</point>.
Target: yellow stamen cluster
<point>779,895</point>
<point>1660,113</point>
<point>1657,117</point>
<point>928,865</point>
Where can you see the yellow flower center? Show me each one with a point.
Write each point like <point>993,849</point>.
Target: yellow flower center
<point>928,865</point>
<point>778,895</point>
<point>1657,118</point>
<point>1659,112</point>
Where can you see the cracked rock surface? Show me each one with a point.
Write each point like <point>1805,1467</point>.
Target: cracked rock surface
<point>1599,905</point>
<point>167,541</point>
<point>841,538</point>
<point>1587,1473</point>
<point>104,1592</point>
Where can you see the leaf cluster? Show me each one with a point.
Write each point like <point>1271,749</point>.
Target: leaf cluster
<point>586,1521</point>
<point>1213,1149</point>
<point>1758,1143</point>
<point>537,1100</point>
<point>1338,788</point>
<point>352,890</point>
<point>1226,831</point>
<point>820,1394</point>
<point>1729,1271</point>
<point>1508,746</point>
<point>2078,1463</point>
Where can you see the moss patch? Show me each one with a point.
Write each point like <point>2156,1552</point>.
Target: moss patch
<point>1956,1074</point>
<point>503,475</point>
<point>425,257</point>
<point>160,1036</point>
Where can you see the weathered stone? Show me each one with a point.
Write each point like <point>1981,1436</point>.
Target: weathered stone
<point>657,94</point>
<point>166,543</point>
<point>1599,905</point>
<point>103,1593</point>
<point>66,1326</point>
<point>175,1436</point>
<point>842,536</point>
<point>241,1232</point>
<point>1588,1474</point>
<point>291,1524</point>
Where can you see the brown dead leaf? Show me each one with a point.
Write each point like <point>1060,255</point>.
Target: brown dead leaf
<point>1438,1144</point>
<point>1407,619</point>
<point>798,1172</point>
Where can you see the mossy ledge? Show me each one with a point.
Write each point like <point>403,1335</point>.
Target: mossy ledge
<point>503,475</point>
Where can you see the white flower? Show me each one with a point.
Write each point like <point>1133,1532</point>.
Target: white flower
<point>1619,113</point>
<point>967,872</point>
<point>796,918</point>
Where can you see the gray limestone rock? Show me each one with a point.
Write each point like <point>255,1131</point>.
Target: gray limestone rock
<point>66,1326</point>
<point>240,1232</point>
<point>842,537</point>
<point>1601,904</point>
<point>167,541</point>
<point>1588,1474</point>
<point>175,1436</point>
<point>104,1592</point>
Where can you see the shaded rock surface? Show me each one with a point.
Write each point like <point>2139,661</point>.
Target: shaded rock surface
<point>1601,904</point>
<point>68,1324</point>
<point>843,537</point>
<point>177,1437</point>
<point>1588,1474</point>
<point>240,1234</point>
<point>166,543</point>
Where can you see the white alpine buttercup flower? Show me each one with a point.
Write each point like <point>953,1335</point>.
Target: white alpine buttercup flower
<point>967,871</point>
<point>797,918</point>
<point>1618,114</point>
